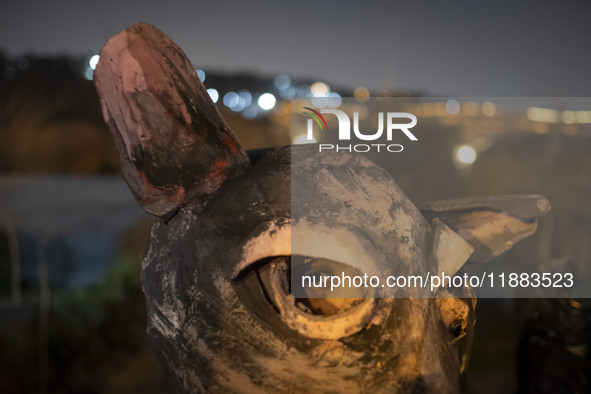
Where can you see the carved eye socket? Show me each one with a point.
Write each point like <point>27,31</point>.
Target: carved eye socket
<point>346,312</point>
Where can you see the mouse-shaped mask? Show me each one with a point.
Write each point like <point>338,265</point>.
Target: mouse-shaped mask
<point>216,276</point>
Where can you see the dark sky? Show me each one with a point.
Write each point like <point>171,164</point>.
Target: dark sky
<point>443,47</point>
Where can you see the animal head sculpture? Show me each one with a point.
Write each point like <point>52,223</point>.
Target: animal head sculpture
<point>216,276</point>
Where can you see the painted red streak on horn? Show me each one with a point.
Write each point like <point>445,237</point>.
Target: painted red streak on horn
<point>178,192</point>
<point>230,144</point>
<point>220,165</point>
<point>216,173</point>
<point>145,181</point>
<point>148,195</point>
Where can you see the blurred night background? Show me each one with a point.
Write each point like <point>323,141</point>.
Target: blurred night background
<point>72,315</point>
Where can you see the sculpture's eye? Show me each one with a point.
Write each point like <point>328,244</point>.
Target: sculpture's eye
<point>345,312</point>
<point>314,274</point>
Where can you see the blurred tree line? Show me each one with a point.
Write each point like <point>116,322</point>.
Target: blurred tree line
<point>94,338</point>
<point>50,118</point>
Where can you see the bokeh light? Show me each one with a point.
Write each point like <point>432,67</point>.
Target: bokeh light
<point>93,61</point>
<point>250,112</point>
<point>288,92</point>
<point>267,101</point>
<point>547,115</point>
<point>333,100</point>
<point>201,75</point>
<point>319,89</point>
<point>231,99</point>
<point>213,93</point>
<point>319,102</point>
<point>489,109</point>
<point>361,94</point>
<point>465,154</point>
<point>452,107</point>
<point>282,82</point>
<point>246,96</point>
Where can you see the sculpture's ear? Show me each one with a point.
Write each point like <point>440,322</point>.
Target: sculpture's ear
<point>491,225</point>
<point>173,145</point>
